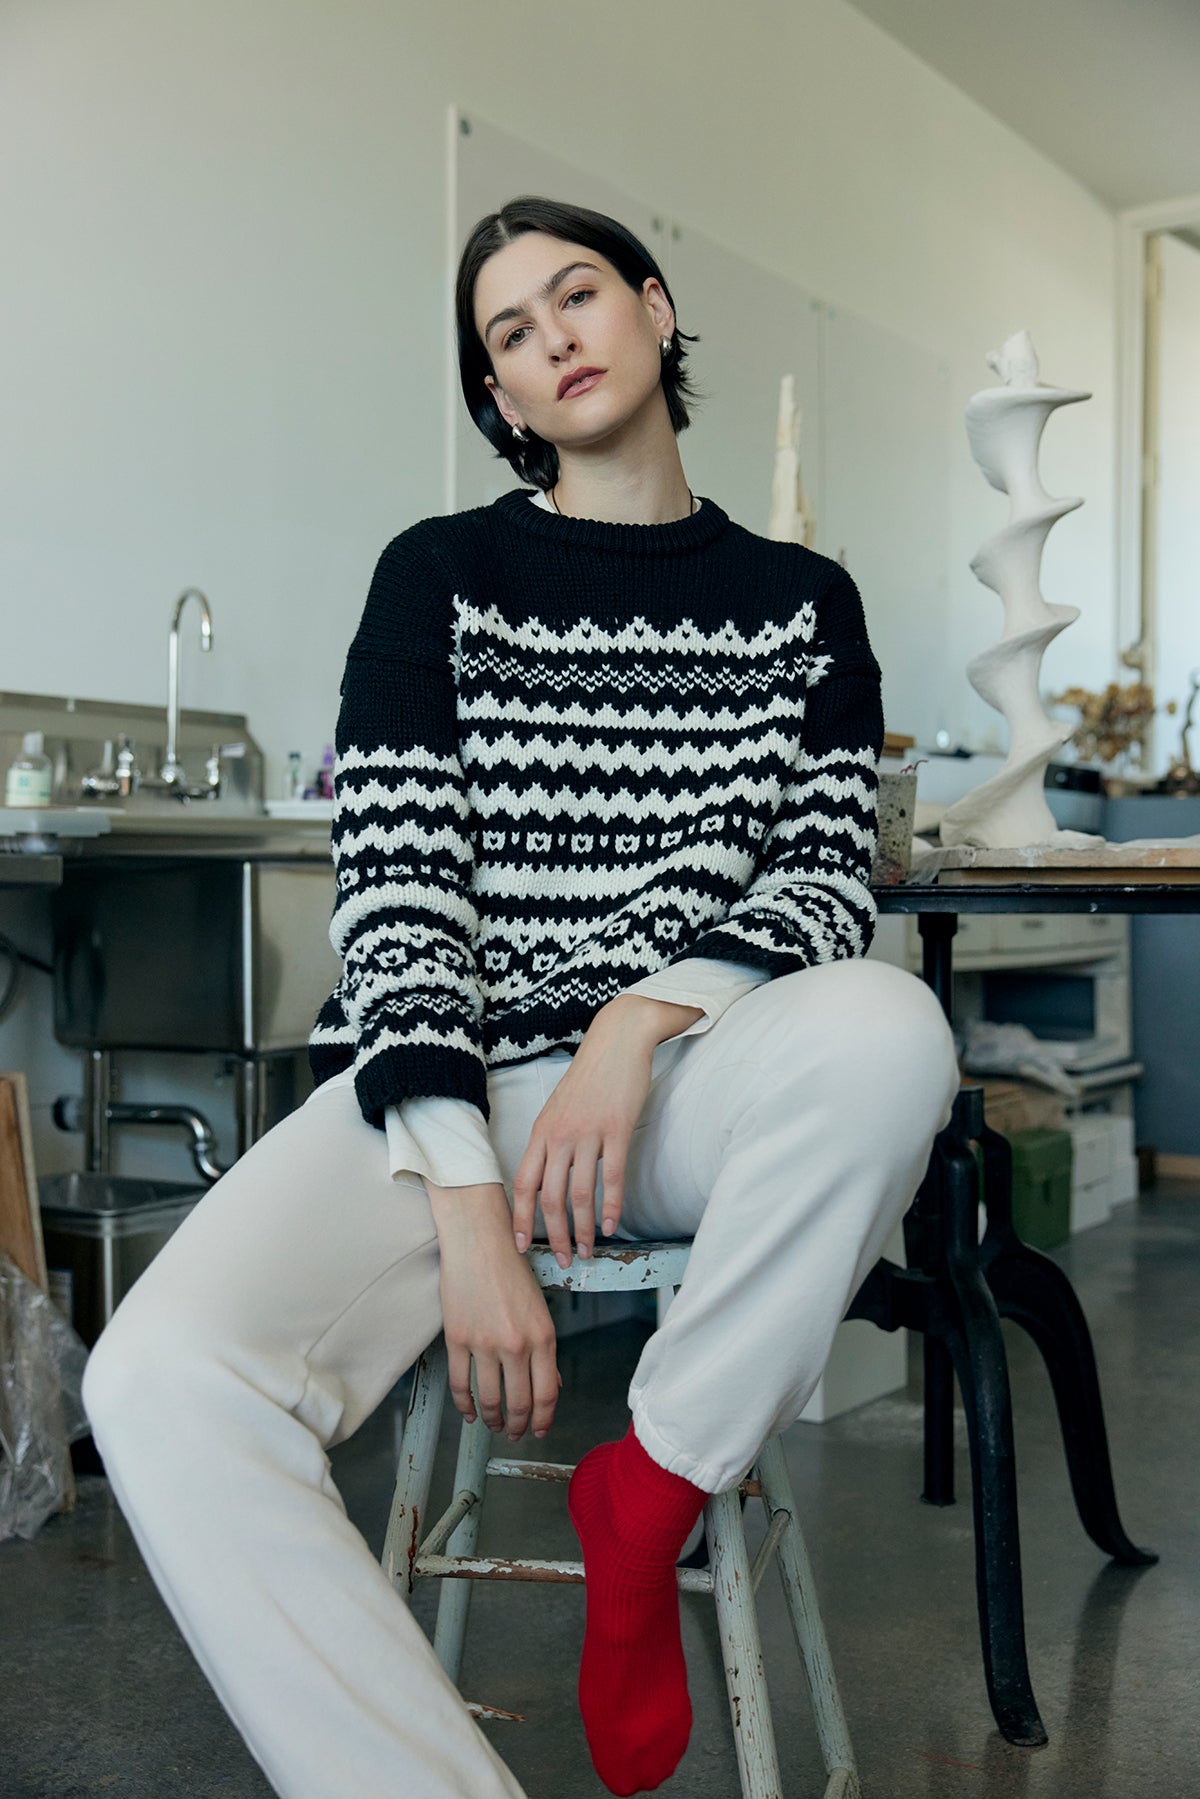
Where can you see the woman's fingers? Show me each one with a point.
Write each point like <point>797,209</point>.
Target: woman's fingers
<point>458,1360</point>
<point>525,1191</point>
<point>613,1164</point>
<point>546,1383</point>
<point>487,1384</point>
<point>554,1205</point>
<point>583,1199</point>
<point>518,1403</point>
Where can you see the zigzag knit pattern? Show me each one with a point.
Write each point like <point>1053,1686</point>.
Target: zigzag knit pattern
<point>570,752</point>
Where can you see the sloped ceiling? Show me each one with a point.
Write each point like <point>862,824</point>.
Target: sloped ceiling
<point>1107,89</point>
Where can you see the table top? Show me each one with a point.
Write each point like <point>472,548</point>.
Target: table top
<point>1162,898</point>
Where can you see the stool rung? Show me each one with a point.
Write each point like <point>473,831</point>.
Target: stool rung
<point>484,1567</point>
<point>493,1711</point>
<point>448,1523</point>
<point>564,1470</point>
<point>531,1470</point>
<point>767,1548</point>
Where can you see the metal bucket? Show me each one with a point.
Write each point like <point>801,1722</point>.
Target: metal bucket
<point>101,1232</point>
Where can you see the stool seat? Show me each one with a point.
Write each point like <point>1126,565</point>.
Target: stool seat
<point>446,1551</point>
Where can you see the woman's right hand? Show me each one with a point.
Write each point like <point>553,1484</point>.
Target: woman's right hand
<point>493,1312</point>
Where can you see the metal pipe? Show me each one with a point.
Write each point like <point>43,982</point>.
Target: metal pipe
<point>172,770</point>
<point>97,1095</point>
<point>204,1140</point>
<point>88,1115</point>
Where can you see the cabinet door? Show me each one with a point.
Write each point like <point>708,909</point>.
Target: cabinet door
<point>1042,934</point>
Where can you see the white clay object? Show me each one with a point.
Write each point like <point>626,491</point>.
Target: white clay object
<point>1004,429</point>
<point>791,519</point>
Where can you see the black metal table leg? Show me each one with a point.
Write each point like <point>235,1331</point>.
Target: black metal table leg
<point>970,1329</point>
<point>938,1370</point>
<point>937,931</point>
<point>943,1293</point>
<point>1035,1293</point>
<point>955,1290</point>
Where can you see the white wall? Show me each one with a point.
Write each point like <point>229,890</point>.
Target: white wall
<point>225,293</point>
<point>1177,596</point>
<point>224,303</point>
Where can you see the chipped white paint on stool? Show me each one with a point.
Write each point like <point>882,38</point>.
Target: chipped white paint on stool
<point>445,1551</point>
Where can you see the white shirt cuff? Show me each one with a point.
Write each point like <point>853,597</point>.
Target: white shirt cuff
<point>442,1139</point>
<point>702,981</point>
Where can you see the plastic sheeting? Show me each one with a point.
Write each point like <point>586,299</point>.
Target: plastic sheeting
<point>41,1407</point>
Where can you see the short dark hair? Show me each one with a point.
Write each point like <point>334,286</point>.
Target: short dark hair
<point>536,461</point>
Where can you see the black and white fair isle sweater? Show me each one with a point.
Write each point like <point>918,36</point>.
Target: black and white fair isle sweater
<point>570,753</point>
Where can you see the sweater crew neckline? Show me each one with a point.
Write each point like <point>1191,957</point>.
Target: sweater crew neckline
<point>693,532</point>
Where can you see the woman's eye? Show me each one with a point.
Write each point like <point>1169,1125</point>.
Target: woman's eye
<point>581,293</point>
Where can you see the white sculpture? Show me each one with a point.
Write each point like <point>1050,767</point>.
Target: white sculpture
<point>791,520</point>
<point>1004,429</point>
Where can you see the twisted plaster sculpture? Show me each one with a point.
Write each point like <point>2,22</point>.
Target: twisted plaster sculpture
<point>1004,429</point>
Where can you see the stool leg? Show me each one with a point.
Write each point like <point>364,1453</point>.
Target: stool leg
<point>745,1680</point>
<point>454,1600</point>
<point>410,1500</point>
<point>799,1590</point>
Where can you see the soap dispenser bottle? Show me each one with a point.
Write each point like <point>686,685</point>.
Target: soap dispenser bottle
<point>31,776</point>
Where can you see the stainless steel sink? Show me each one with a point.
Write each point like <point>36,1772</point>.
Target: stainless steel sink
<point>101,1232</point>
<point>226,952</point>
<point>118,1202</point>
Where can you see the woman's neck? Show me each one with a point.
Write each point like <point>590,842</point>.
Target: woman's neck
<point>655,496</point>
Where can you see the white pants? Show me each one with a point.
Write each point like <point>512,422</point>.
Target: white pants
<point>787,1140</point>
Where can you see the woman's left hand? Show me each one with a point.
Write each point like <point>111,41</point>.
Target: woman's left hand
<point>589,1117</point>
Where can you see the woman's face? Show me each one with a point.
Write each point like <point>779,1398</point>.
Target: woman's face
<point>545,308</point>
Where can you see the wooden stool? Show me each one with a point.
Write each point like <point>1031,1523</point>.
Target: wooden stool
<point>446,1551</point>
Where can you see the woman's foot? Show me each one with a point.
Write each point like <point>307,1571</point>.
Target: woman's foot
<point>632,1518</point>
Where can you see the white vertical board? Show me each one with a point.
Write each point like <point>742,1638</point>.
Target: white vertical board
<point>754,328</point>
<point>492,168</point>
<point>887,431</point>
<point>1177,584</point>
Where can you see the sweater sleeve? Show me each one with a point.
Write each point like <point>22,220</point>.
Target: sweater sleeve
<point>404,921</point>
<point>810,897</point>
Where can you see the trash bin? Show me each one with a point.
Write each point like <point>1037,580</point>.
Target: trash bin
<point>101,1232</point>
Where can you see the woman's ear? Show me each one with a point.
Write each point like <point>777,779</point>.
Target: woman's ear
<point>504,405</point>
<point>660,308</point>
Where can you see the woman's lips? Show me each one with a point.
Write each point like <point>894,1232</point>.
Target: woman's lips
<point>581,387</point>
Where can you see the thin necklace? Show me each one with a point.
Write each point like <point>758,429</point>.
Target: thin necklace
<point>554,503</point>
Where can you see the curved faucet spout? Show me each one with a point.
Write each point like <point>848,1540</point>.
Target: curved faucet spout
<point>172,769</point>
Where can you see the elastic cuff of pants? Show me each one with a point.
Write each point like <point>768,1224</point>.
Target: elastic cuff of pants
<point>710,1477</point>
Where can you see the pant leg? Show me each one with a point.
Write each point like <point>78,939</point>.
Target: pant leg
<point>787,1141</point>
<point>268,1328</point>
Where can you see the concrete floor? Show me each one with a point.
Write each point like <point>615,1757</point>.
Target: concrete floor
<point>100,1695</point>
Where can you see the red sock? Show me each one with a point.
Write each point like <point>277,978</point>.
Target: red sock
<point>632,1518</point>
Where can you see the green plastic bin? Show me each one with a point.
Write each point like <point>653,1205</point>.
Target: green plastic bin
<point>1041,1191</point>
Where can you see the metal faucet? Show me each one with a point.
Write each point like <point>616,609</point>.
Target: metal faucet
<point>171,773</point>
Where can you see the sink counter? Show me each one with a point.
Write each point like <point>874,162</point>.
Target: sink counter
<point>243,836</point>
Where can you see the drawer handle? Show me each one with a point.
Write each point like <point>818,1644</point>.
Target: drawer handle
<point>1033,924</point>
